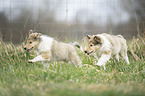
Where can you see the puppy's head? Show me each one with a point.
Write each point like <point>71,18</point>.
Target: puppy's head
<point>33,41</point>
<point>95,43</point>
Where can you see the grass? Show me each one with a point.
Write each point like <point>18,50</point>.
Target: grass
<point>20,78</point>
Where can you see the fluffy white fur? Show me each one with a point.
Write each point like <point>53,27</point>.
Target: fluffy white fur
<point>45,43</point>
<point>49,49</point>
<point>110,46</point>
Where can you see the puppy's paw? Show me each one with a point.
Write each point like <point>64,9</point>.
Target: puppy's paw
<point>98,64</point>
<point>30,61</point>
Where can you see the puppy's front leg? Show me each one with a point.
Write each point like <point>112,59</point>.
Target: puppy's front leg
<point>38,58</point>
<point>103,59</point>
<point>45,56</point>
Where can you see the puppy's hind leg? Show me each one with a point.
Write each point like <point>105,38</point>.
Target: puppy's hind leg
<point>126,59</point>
<point>117,57</point>
<point>124,55</point>
<point>76,61</point>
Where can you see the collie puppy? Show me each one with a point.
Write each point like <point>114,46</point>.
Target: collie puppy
<point>49,49</point>
<point>105,46</point>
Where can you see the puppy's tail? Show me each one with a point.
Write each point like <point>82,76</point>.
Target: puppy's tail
<point>76,44</point>
<point>120,36</point>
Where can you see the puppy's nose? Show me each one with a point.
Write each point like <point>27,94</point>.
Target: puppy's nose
<point>85,51</point>
<point>25,48</point>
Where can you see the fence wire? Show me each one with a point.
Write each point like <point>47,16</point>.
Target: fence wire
<point>70,19</point>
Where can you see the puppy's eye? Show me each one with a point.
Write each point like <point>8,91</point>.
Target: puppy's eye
<point>91,45</point>
<point>30,42</point>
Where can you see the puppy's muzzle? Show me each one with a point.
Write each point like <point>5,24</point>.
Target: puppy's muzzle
<point>28,50</point>
<point>88,53</point>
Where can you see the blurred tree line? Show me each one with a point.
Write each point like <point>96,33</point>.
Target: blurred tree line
<point>16,30</point>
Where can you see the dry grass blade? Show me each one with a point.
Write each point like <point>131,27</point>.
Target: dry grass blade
<point>132,49</point>
<point>137,48</point>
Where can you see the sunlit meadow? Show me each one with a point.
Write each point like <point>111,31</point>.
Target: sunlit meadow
<point>20,78</point>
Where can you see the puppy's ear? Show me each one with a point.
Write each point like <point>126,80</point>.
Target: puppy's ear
<point>37,36</point>
<point>30,31</point>
<point>88,36</point>
<point>97,39</point>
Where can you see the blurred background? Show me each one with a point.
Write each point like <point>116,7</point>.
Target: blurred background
<point>70,19</point>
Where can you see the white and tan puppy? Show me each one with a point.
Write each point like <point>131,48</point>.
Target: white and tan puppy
<point>50,49</point>
<point>106,46</point>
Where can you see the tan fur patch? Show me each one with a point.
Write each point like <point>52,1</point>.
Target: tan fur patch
<point>107,52</point>
<point>46,55</point>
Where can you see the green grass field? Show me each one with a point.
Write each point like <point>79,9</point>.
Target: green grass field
<point>20,78</point>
